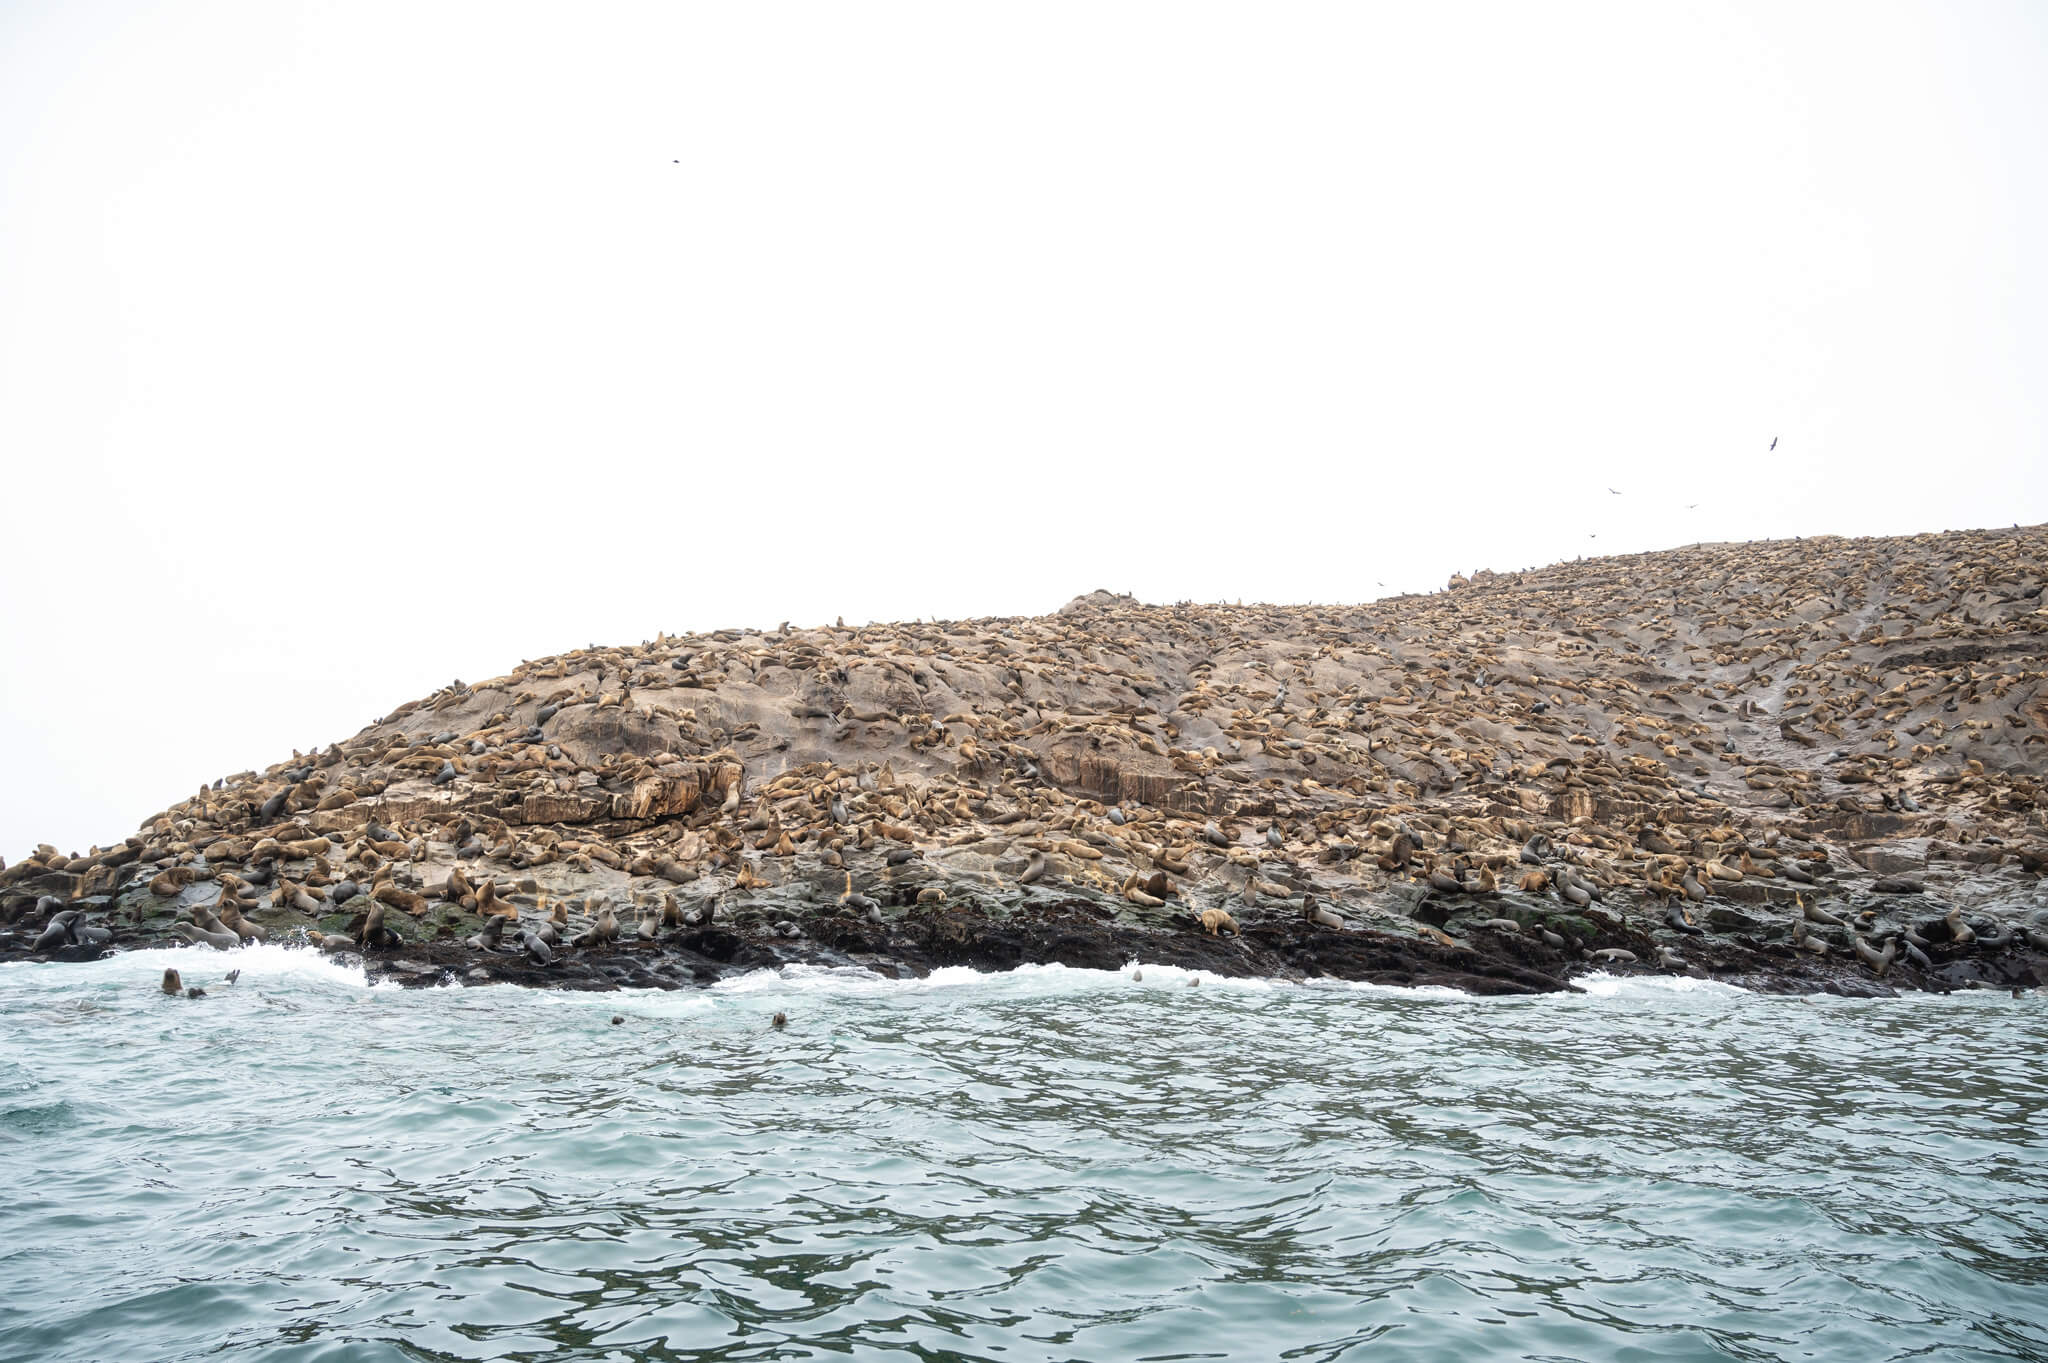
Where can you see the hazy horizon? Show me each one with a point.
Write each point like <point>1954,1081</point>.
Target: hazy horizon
<point>347,350</point>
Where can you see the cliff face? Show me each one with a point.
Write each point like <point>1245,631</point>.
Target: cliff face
<point>1615,750</point>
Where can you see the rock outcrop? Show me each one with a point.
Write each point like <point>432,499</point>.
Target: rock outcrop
<point>1669,761</point>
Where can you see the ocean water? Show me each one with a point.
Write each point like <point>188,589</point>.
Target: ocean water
<point>1049,1164</point>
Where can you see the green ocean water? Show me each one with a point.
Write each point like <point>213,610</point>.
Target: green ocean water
<point>1050,1164</point>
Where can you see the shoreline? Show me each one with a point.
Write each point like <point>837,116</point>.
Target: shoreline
<point>1474,947</point>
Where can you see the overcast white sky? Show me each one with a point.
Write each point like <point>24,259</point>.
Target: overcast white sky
<point>348,348</point>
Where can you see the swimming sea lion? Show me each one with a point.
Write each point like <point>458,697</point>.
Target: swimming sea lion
<point>172,984</point>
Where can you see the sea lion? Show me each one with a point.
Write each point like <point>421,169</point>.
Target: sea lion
<point>493,933</point>
<point>172,984</point>
<point>223,941</point>
<point>1214,920</point>
<point>1878,961</point>
<point>231,919</point>
<point>779,1021</point>
<point>1620,954</point>
<point>1814,913</point>
<point>1960,933</point>
<point>59,931</point>
<point>603,928</point>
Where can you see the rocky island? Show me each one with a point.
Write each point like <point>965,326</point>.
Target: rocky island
<point>1798,765</point>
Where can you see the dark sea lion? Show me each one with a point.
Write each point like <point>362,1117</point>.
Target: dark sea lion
<point>59,930</point>
<point>172,984</point>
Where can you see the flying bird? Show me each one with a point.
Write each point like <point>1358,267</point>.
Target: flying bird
<point>1613,490</point>
<point>1774,443</point>
<point>1689,506</point>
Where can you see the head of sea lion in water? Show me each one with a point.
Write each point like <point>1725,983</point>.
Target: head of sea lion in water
<point>172,984</point>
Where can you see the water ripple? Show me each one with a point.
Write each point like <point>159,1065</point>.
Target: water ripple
<point>1051,1164</point>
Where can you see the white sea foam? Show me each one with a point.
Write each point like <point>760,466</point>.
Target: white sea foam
<point>206,967</point>
<point>1602,985</point>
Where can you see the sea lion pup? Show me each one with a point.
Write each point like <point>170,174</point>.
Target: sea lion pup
<point>456,887</point>
<point>1959,933</point>
<point>672,917</point>
<point>535,948</point>
<point>172,984</point>
<point>1035,870</point>
<point>1215,920</point>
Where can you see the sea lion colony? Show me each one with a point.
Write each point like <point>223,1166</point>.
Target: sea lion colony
<point>1811,764</point>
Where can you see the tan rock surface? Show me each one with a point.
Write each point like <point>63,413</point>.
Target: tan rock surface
<point>1761,718</point>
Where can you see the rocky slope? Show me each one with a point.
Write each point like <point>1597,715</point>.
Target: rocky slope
<point>1804,764</point>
